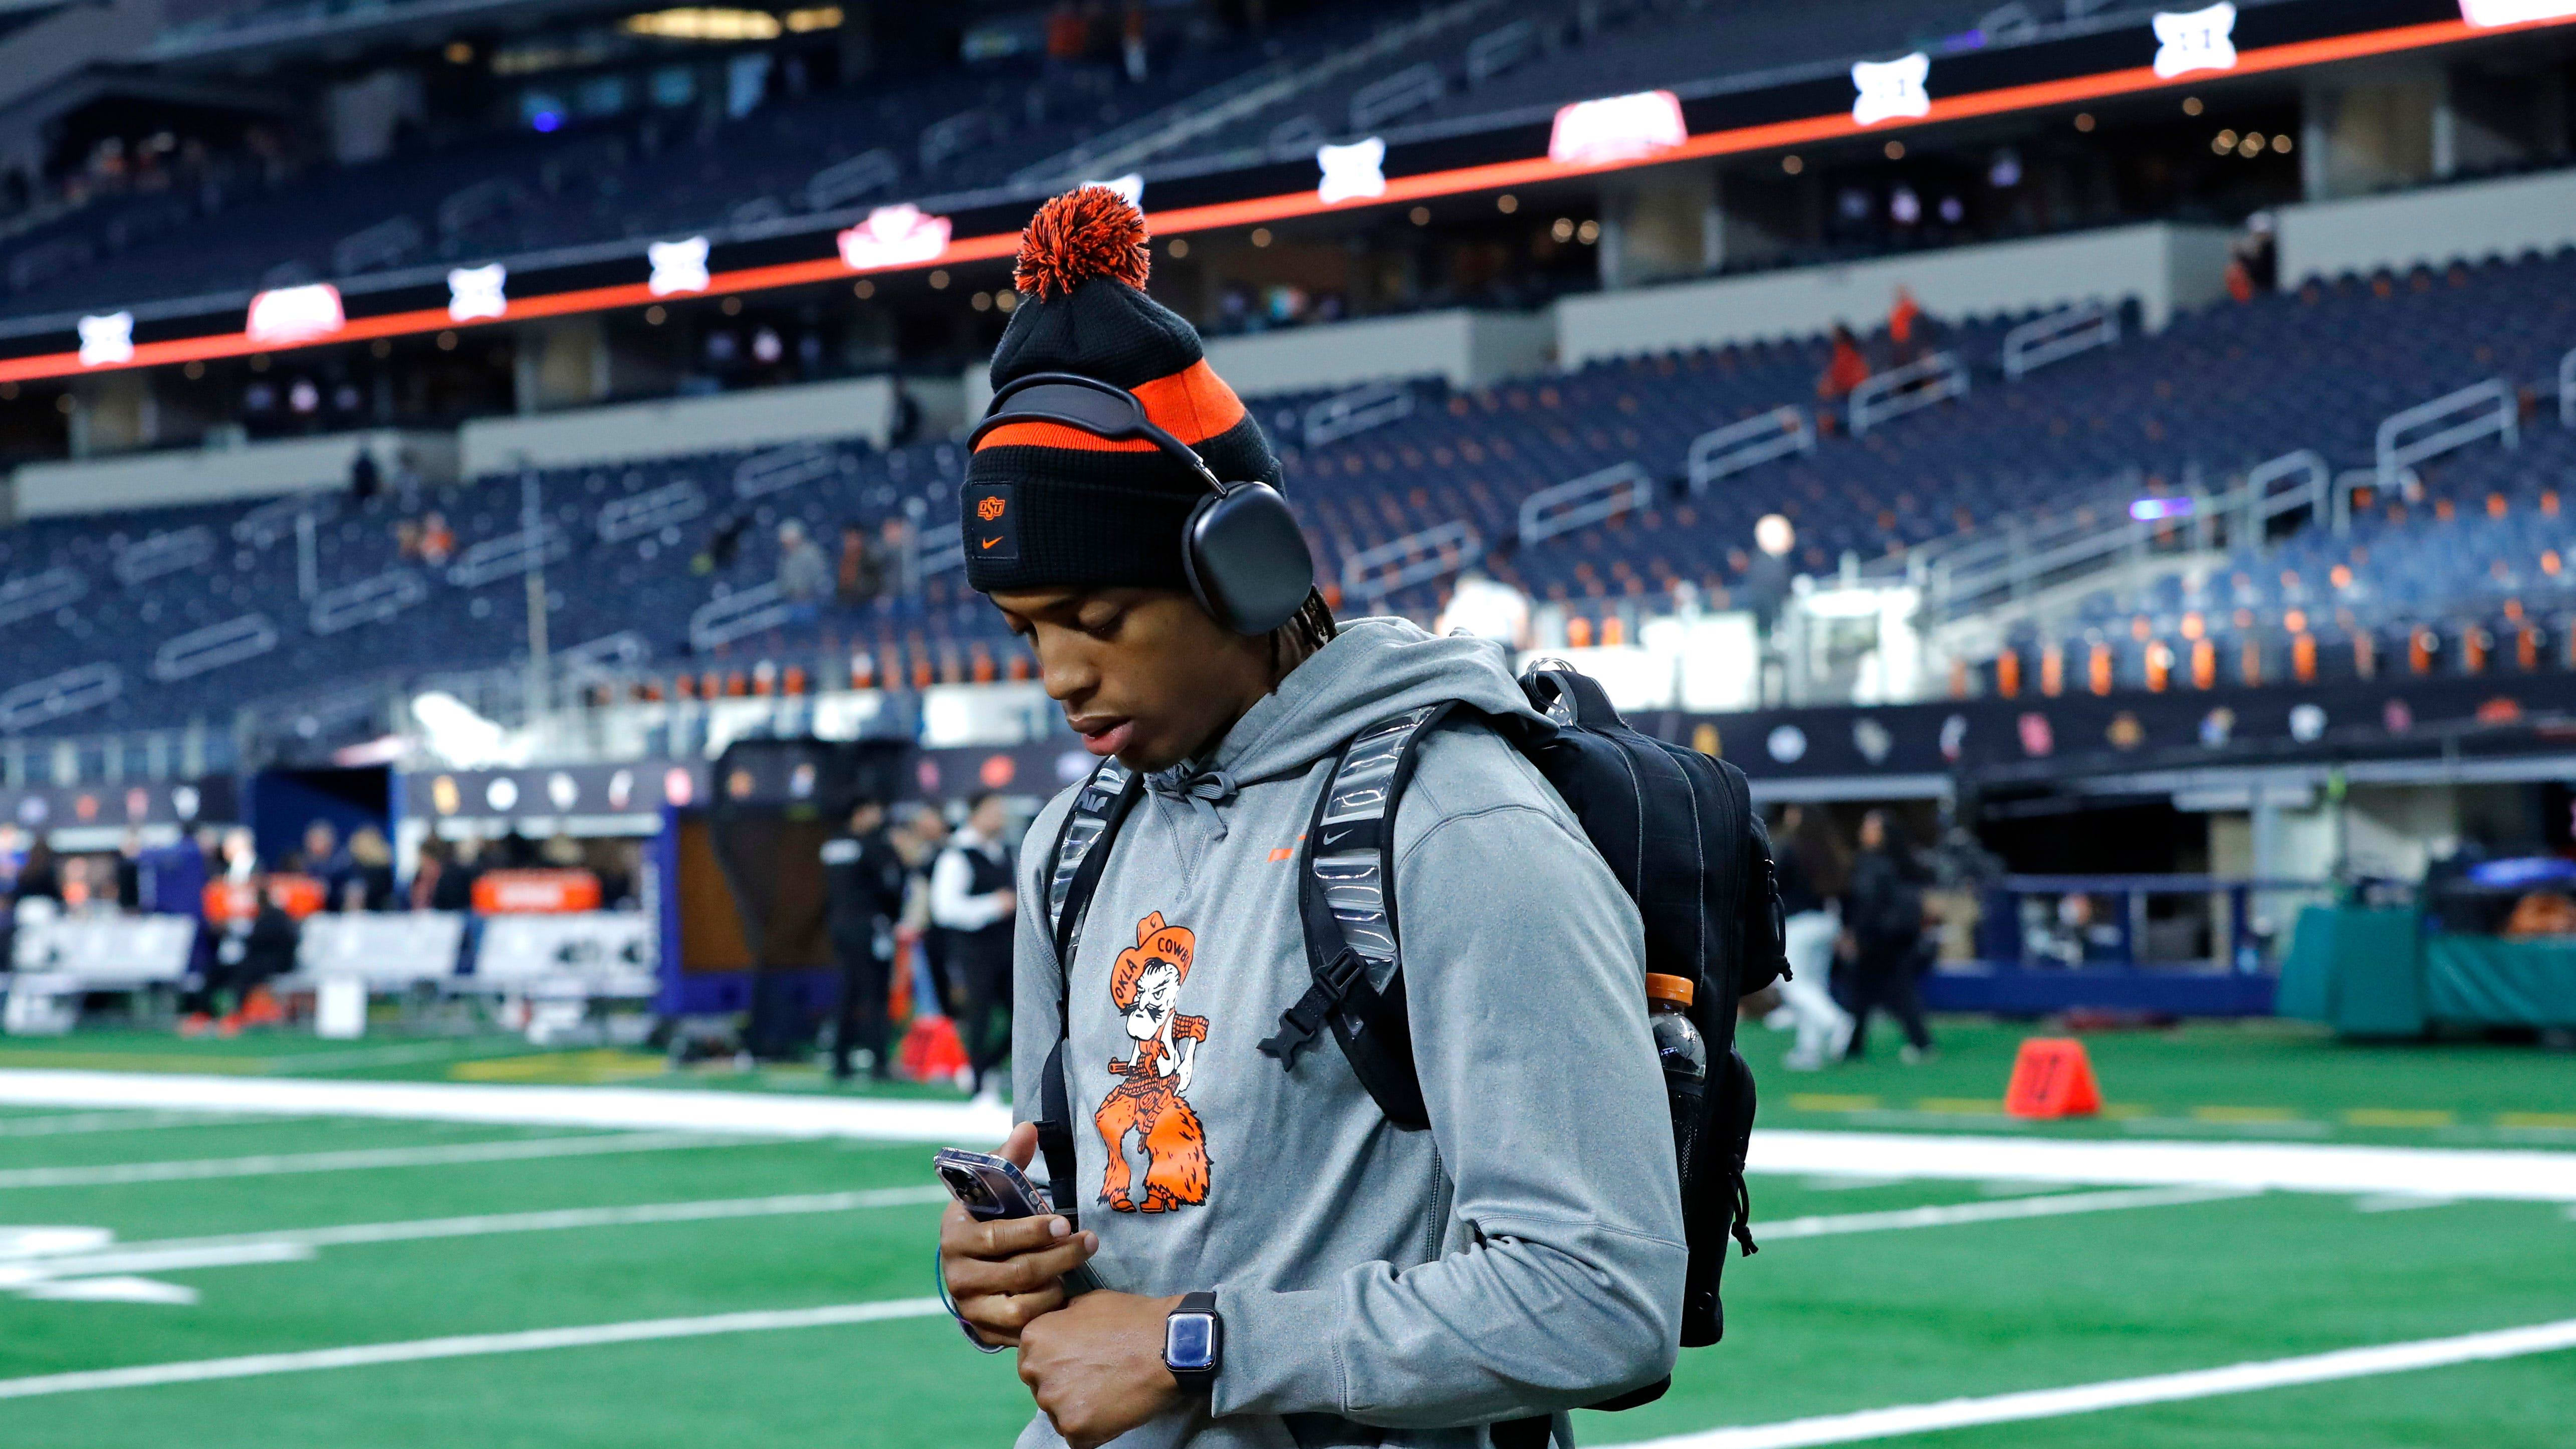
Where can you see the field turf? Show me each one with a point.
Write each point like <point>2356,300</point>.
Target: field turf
<point>1820,1324</point>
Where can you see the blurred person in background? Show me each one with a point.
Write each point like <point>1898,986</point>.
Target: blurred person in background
<point>1883,931</point>
<point>369,883</point>
<point>1766,575</point>
<point>454,888</point>
<point>425,871</point>
<point>323,859</point>
<point>864,879</point>
<point>248,955</point>
<point>857,577</point>
<point>437,540</point>
<point>804,580</point>
<point>920,839</point>
<point>40,875</point>
<point>241,854</point>
<point>1486,608</point>
<point>129,870</point>
<point>1813,873</point>
<point>972,900</point>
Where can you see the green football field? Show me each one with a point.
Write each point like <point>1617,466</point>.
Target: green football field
<point>396,1282</point>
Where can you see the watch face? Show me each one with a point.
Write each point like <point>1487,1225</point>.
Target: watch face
<point>1189,1342</point>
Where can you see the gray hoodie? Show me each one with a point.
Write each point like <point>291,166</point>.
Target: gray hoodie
<point>1524,1256</point>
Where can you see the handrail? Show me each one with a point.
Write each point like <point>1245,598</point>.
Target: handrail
<point>951,135</point>
<point>368,601</point>
<point>851,178</point>
<point>382,244</point>
<point>605,655</point>
<point>83,686</point>
<point>176,551</point>
<point>744,611</point>
<point>1723,452</point>
<point>275,519</point>
<point>2262,505</point>
<point>517,552</point>
<point>28,595</point>
<point>2567,389</point>
<point>233,640</point>
<point>1387,97</point>
<point>2494,401</point>
<point>1499,49</point>
<point>1356,411</point>
<point>942,550</point>
<point>1604,493</point>
<point>2058,336</point>
<point>1443,548</point>
<point>650,511</point>
<point>779,469</point>
<point>1893,393</point>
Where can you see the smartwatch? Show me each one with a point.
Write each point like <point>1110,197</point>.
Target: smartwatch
<point>1194,1343</point>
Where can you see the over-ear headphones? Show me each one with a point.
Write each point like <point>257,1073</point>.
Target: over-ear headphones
<point>1245,557</point>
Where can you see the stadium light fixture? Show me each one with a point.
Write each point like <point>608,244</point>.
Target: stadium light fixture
<point>106,340</point>
<point>1351,172</point>
<point>679,266</point>
<point>2487,14</point>
<point>1891,90</point>
<point>477,293</point>
<point>895,236</point>
<point>693,22</point>
<point>284,316</point>
<point>2196,40</point>
<point>1616,128</point>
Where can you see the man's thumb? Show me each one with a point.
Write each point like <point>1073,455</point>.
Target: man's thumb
<point>1021,1147</point>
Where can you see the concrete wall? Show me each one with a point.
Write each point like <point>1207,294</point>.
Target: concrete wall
<point>154,480</point>
<point>1468,348</point>
<point>2467,222</point>
<point>860,408</point>
<point>2165,267</point>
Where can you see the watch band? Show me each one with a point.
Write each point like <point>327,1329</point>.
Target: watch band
<point>1196,1378</point>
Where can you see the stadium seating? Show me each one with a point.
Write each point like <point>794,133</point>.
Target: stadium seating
<point>2478,553</point>
<point>198,224</point>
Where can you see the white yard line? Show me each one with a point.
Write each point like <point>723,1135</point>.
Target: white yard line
<point>487,1224</point>
<point>2531,1175</point>
<point>2349,1363</point>
<point>523,1149</point>
<point>2254,1166</point>
<point>469,1345</point>
<point>778,1114</point>
<point>69,1123</point>
<point>2007,1210</point>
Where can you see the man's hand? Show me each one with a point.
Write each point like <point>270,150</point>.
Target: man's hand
<point>1096,1365</point>
<point>1004,1274</point>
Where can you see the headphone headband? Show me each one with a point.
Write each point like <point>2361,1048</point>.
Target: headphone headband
<point>1087,404</point>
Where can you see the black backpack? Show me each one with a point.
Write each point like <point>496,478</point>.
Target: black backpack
<point>1675,826</point>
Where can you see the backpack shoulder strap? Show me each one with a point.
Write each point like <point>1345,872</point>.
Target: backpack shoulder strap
<point>1081,853</point>
<point>1346,898</point>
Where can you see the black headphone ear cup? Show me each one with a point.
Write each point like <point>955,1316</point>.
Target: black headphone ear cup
<point>1247,559</point>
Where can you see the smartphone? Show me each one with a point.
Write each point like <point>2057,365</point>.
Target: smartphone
<point>991,1188</point>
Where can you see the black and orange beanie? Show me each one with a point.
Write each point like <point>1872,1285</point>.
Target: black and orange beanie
<point>1047,506</point>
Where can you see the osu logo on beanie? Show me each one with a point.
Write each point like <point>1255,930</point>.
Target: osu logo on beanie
<point>1048,506</point>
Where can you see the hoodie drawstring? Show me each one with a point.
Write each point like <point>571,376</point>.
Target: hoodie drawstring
<point>1204,791</point>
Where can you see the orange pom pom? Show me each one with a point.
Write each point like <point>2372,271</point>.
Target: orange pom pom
<point>1090,231</point>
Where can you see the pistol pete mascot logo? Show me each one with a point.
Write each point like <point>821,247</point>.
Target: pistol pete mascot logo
<point>1149,1103</point>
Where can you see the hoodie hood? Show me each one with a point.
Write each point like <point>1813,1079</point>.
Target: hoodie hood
<point>1375,667</point>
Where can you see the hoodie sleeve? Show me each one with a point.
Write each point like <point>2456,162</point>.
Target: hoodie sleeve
<point>1037,983</point>
<point>1563,1283</point>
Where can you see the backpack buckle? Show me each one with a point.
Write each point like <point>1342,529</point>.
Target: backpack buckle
<point>1300,1024</point>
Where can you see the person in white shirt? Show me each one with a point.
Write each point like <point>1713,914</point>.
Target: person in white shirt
<point>972,900</point>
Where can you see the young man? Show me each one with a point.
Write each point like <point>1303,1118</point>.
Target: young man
<point>1368,1285</point>
<point>863,880</point>
<point>972,901</point>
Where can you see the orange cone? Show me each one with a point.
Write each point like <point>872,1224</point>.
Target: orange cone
<point>2052,1077</point>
